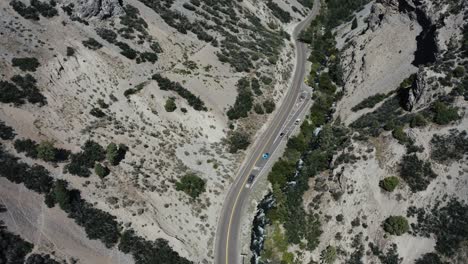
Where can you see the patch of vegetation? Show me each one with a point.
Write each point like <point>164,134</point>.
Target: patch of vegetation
<point>96,112</point>
<point>191,184</point>
<point>244,101</point>
<point>96,223</point>
<point>92,44</point>
<point>81,162</point>
<point>389,183</point>
<point>448,223</point>
<point>418,174</point>
<point>328,255</point>
<point>135,90</point>
<point>391,257</point>
<point>115,154</point>
<point>269,106</point>
<point>444,114</point>
<point>170,104</point>
<point>396,225</point>
<point>166,84</point>
<point>6,132</point>
<point>451,147</point>
<point>40,259</point>
<point>107,34</point>
<point>278,12</point>
<point>401,136</point>
<point>101,170</point>
<point>35,178</point>
<point>35,8</point>
<point>13,249</point>
<point>430,258</point>
<point>44,150</point>
<point>369,102</point>
<point>26,64</point>
<point>238,140</point>
<point>149,252</point>
<point>22,88</point>
<point>70,51</point>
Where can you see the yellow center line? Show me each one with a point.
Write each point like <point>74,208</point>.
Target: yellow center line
<point>241,189</point>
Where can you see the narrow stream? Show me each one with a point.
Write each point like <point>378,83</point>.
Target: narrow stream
<point>258,229</point>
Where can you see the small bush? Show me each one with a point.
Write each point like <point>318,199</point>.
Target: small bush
<point>237,141</point>
<point>396,225</point>
<point>46,151</point>
<point>191,184</point>
<point>452,147</point>
<point>92,44</point>
<point>269,106</point>
<point>369,102</point>
<point>417,173</point>
<point>444,114</point>
<point>429,258</point>
<point>6,132</point>
<point>282,15</point>
<point>101,171</point>
<point>259,109</point>
<point>27,146</point>
<point>115,154</point>
<point>70,51</point>
<point>354,24</point>
<point>107,34</point>
<point>170,104</point>
<point>400,135</point>
<point>244,101</point>
<point>96,112</point>
<point>418,120</point>
<point>389,184</point>
<point>26,64</point>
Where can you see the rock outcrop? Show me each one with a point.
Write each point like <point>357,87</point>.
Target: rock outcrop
<point>98,8</point>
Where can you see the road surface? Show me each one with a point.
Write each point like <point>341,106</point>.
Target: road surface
<point>227,249</point>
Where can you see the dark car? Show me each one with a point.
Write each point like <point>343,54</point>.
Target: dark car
<point>250,180</point>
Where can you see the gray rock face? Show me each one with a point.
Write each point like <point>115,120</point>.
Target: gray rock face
<point>98,8</point>
<point>416,91</point>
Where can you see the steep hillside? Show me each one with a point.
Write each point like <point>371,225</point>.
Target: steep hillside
<point>378,172</point>
<point>143,108</point>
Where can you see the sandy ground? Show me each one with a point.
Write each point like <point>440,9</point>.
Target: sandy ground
<point>50,229</point>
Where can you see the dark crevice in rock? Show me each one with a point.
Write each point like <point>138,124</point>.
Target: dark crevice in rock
<point>426,41</point>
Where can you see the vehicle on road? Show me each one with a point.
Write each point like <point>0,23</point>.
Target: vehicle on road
<point>250,180</point>
<point>265,155</point>
<point>297,121</point>
<point>281,134</point>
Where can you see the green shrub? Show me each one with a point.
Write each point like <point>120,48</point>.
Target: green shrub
<point>29,90</point>
<point>282,15</point>
<point>96,112</point>
<point>429,258</point>
<point>107,34</point>
<point>417,173</point>
<point>459,71</point>
<point>238,140</point>
<point>244,101</point>
<point>46,151</point>
<point>389,183</point>
<point>27,146</point>
<point>191,184</point>
<point>70,51</point>
<point>26,64</point>
<point>328,255</point>
<point>444,114</point>
<point>369,102</point>
<point>6,132</point>
<point>259,109</point>
<point>451,147</point>
<point>418,120</point>
<point>170,104</point>
<point>166,84</point>
<point>354,24</point>
<point>92,44</point>
<point>81,162</point>
<point>269,106</point>
<point>396,225</point>
<point>100,170</point>
<point>400,135</point>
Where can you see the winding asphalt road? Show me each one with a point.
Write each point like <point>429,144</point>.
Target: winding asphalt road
<point>227,249</point>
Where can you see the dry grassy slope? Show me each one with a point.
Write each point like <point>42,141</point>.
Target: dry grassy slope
<point>162,145</point>
<point>376,62</point>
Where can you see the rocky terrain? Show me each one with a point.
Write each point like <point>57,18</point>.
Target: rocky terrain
<point>385,179</point>
<point>130,102</point>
